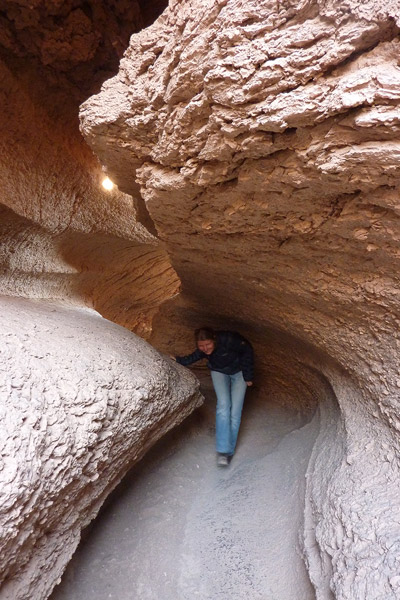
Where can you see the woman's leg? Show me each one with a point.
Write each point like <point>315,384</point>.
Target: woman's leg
<point>238,392</point>
<point>222,385</point>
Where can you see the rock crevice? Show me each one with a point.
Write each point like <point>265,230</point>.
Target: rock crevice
<point>255,148</point>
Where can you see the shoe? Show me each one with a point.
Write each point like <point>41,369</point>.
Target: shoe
<point>222,460</point>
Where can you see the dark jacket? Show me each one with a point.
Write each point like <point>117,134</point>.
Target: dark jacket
<point>232,353</point>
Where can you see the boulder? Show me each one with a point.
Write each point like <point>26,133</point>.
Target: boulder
<point>82,399</point>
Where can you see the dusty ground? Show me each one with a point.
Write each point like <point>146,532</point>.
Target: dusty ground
<point>180,528</point>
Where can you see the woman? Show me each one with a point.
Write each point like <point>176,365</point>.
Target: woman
<point>230,359</point>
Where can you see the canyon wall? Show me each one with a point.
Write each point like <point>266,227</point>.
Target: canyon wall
<point>264,138</point>
<point>81,398</point>
<point>63,235</point>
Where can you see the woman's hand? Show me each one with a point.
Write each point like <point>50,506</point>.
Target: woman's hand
<point>249,383</point>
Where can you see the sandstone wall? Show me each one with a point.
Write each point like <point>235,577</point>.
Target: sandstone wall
<point>265,141</point>
<point>82,399</point>
<point>63,235</point>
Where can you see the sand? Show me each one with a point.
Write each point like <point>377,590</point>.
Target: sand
<point>179,527</point>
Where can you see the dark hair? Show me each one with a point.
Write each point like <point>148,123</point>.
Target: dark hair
<point>204,333</point>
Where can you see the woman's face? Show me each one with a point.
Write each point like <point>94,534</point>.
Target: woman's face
<point>206,346</point>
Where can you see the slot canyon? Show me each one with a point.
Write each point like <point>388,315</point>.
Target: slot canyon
<point>254,147</point>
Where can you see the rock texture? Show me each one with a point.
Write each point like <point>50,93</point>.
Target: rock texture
<point>76,411</point>
<point>75,241</point>
<point>77,42</point>
<point>82,400</point>
<point>264,137</point>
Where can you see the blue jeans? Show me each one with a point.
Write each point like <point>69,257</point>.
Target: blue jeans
<point>230,391</point>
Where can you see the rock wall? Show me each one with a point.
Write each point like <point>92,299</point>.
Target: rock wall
<point>52,58</point>
<point>82,400</point>
<point>265,141</point>
<point>63,235</point>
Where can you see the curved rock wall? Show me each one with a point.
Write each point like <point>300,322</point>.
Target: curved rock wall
<point>265,141</point>
<point>82,400</point>
<point>72,239</point>
<point>122,278</point>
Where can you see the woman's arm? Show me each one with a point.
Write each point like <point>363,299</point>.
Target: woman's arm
<point>190,358</point>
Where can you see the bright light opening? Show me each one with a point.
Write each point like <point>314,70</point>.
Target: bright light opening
<point>107,183</point>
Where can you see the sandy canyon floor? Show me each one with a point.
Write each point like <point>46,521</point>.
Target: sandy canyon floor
<point>179,527</point>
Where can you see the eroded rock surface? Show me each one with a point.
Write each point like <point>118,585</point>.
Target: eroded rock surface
<point>82,399</point>
<point>63,235</point>
<point>76,412</point>
<point>265,141</point>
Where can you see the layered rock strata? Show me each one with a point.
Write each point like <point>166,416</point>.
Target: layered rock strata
<point>265,142</point>
<point>63,236</point>
<point>82,399</point>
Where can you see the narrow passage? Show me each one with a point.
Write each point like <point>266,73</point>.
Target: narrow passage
<point>180,528</point>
